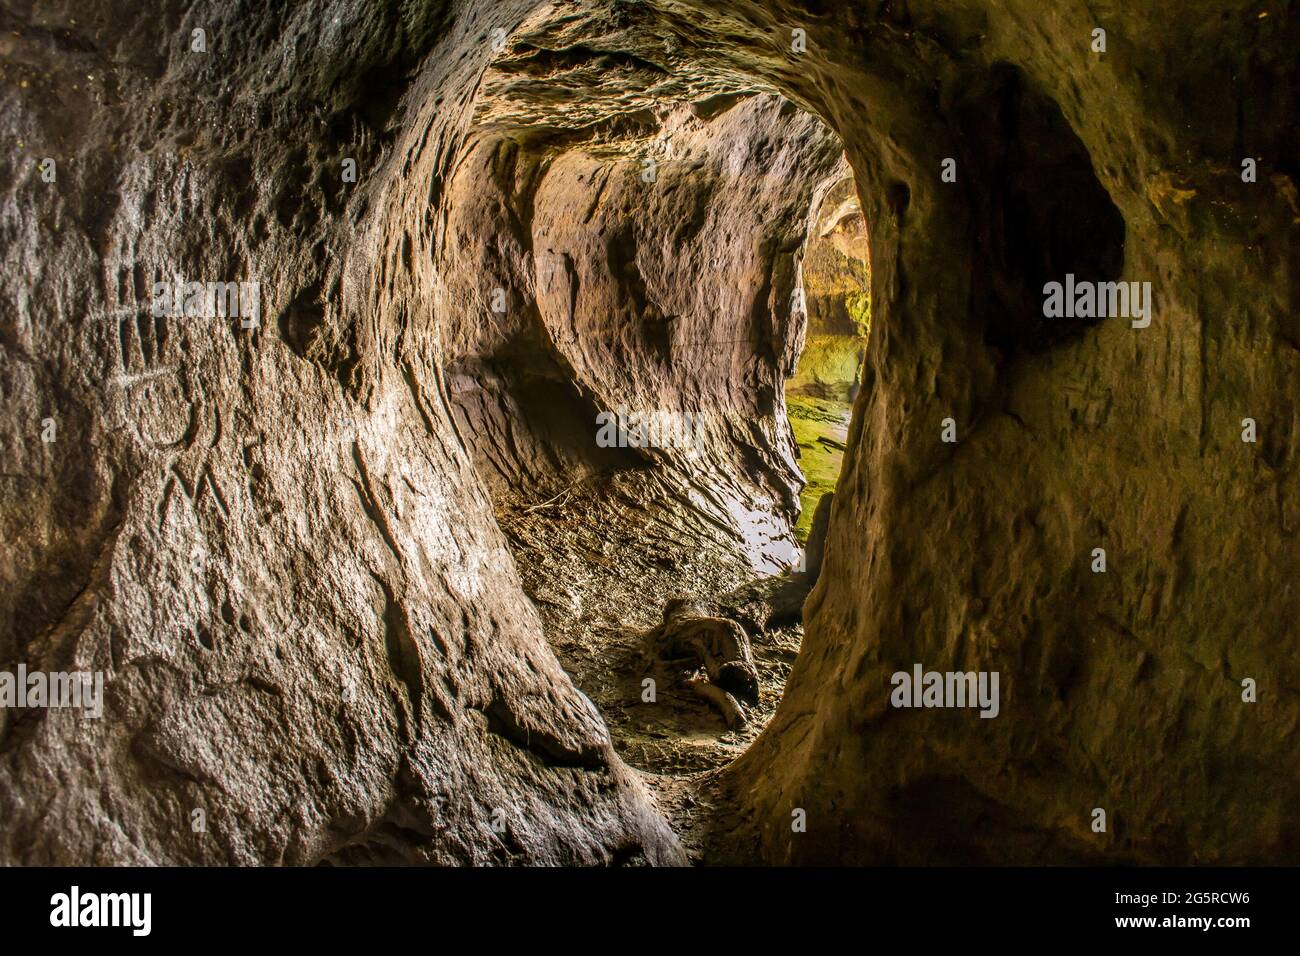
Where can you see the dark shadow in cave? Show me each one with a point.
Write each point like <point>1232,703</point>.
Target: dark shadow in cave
<point>1039,209</point>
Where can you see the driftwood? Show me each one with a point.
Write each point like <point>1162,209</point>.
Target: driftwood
<point>731,711</point>
<point>718,644</point>
<point>715,635</point>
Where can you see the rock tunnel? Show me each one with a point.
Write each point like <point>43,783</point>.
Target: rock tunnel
<point>386,386</point>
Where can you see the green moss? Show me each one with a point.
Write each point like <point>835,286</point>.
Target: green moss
<point>859,306</point>
<point>828,363</point>
<point>812,420</point>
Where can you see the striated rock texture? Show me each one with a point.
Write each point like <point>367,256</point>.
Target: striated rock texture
<point>653,274</point>
<point>279,543</point>
<point>271,541</point>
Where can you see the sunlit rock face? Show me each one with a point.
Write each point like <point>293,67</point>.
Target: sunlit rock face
<point>278,543</point>
<point>652,274</point>
<point>836,280</point>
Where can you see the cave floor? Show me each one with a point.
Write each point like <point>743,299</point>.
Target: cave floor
<point>600,561</point>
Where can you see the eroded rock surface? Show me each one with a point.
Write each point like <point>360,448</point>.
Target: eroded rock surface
<point>272,541</point>
<point>653,272</point>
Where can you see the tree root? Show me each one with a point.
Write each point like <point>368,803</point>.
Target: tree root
<point>727,705</point>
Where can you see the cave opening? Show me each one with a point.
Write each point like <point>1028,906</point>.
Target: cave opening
<point>672,302</point>
<point>670,307</point>
<point>835,297</point>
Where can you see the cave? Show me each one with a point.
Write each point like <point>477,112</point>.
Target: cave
<point>557,433</point>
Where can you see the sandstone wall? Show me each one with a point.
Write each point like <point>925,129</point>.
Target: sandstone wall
<point>654,274</point>
<point>272,542</point>
<point>1123,690</point>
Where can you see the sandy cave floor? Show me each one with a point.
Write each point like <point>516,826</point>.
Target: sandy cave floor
<point>600,563</point>
<point>601,559</point>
